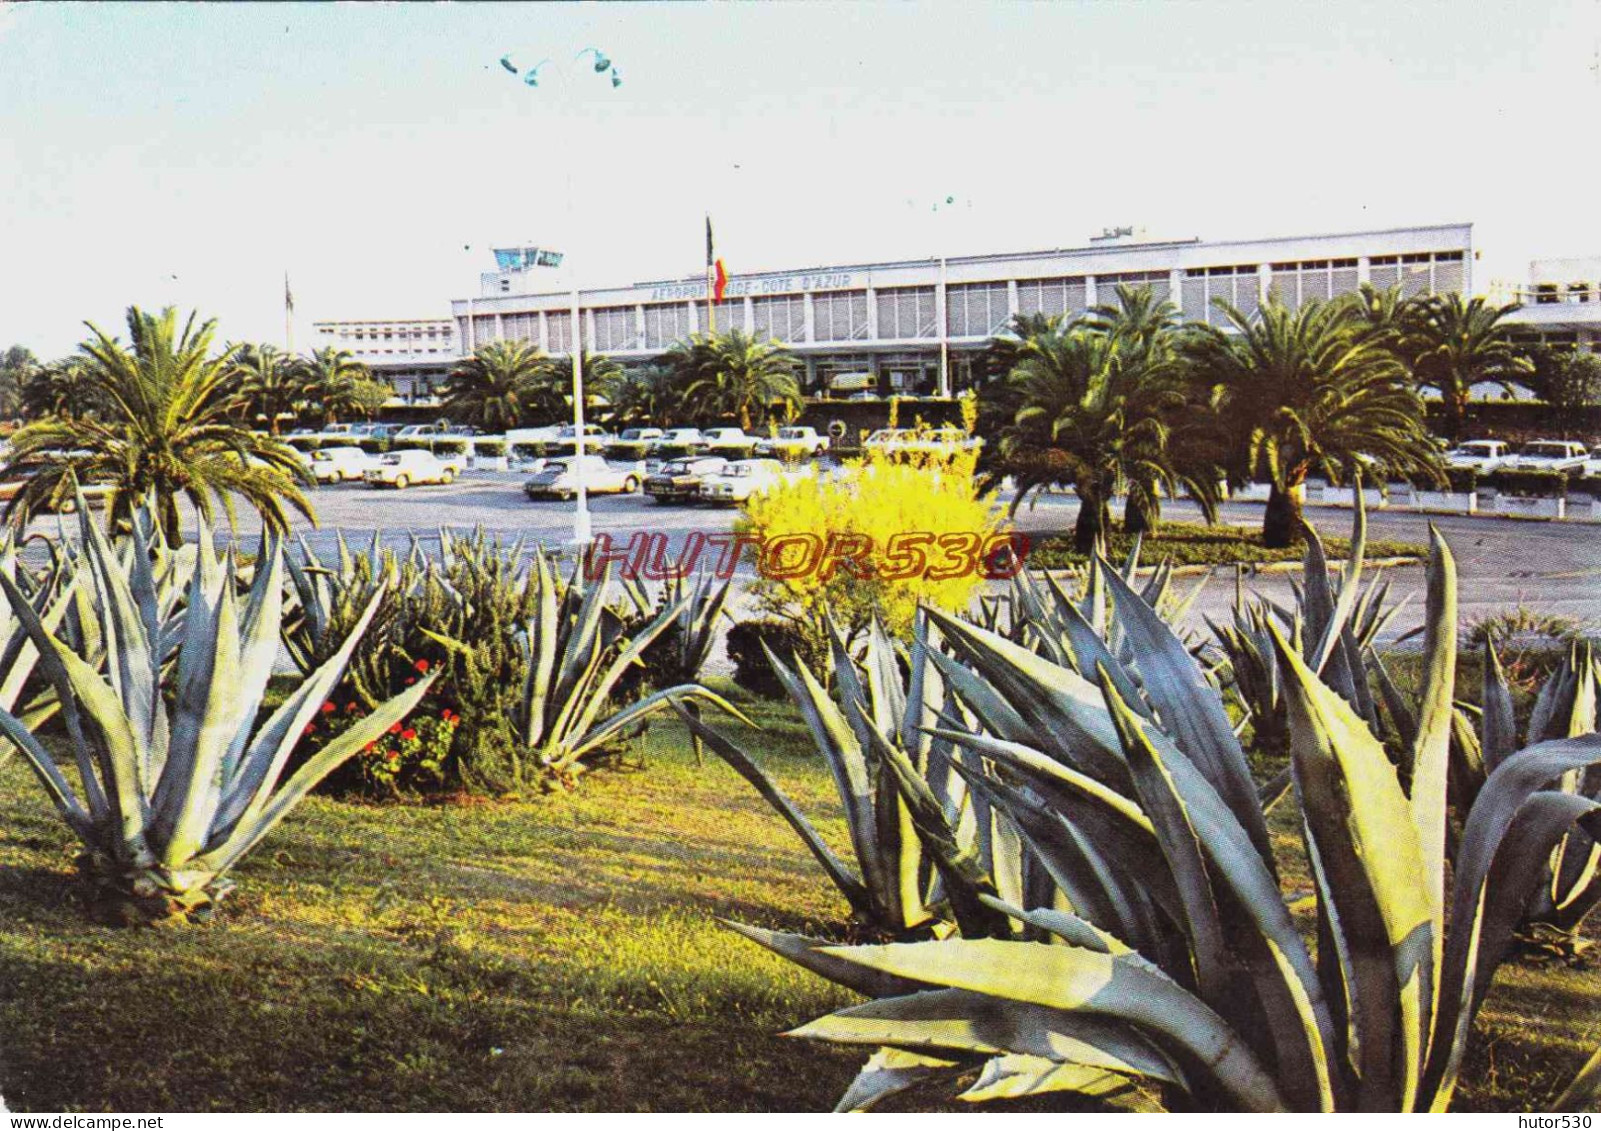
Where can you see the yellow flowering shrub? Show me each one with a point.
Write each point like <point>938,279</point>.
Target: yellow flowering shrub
<point>877,537</point>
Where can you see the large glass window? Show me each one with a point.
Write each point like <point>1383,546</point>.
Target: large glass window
<point>665,323</point>
<point>1236,284</point>
<point>1106,285</point>
<point>976,310</point>
<point>614,329</point>
<point>779,316</point>
<point>521,327</point>
<point>839,316</point>
<point>559,331</point>
<point>906,312</point>
<point>1054,297</point>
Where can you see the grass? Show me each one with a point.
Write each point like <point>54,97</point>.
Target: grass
<point>1193,543</point>
<point>555,954</point>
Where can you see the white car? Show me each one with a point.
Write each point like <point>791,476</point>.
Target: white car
<point>411,468</point>
<point>793,443</point>
<point>335,465</point>
<point>558,479</point>
<point>921,441</point>
<point>680,440</point>
<point>1478,455</point>
<point>564,443</point>
<point>722,441</point>
<point>1550,455</point>
<point>742,479</point>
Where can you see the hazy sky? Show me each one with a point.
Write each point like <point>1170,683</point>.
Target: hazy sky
<point>192,153</point>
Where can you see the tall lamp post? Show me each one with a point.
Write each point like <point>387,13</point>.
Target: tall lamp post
<point>583,529</point>
<point>944,312</point>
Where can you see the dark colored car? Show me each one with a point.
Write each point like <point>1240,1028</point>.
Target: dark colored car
<point>678,480</point>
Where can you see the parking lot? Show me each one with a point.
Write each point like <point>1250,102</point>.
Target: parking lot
<point>1502,562</point>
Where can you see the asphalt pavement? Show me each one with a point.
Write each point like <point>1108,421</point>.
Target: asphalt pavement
<point>1555,566</point>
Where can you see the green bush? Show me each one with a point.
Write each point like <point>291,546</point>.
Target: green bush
<point>752,669</point>
<point>373,447</point>
<point>627,451</point>
<point>489,449</point>
<point>450,447</point>
<point>1530,484</point>
<point>411,444</point>
<point>1183,543</point>
<point>674,451</point>
<point>304,443</point>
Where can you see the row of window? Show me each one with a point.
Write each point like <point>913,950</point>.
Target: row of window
<point>976,310</point>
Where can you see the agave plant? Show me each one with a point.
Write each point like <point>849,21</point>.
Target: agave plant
<point>897,787</point>
<point>178,779</point>
<point>1564,708</point>
<point>1166,952</point>
<point>571,652</point>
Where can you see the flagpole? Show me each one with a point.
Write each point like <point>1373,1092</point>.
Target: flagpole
<point>289,310</point>
<point>711,305</point>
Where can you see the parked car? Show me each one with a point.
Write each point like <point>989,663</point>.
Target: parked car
<point>921,441</point>
<point>1550,455</point>
<point>732,442</point>
<point>679,440</point>
<point>563,443</point>
<point>793,443</point>
<point>1478,455</point>
<point>419,432</point>
<point>633,443</point>
<point>411,468</point>
<point>742,479</point>
<point>1592,465</point>
<point>335,465</point>
<point>558,479</point>
<point>679,480</point>
<point>383,431</point>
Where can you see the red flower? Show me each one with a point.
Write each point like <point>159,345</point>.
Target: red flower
<point>311,728</point>
<point>408,734</point>
<point>421,666</point>
<point>370,747</point>
<point>327,708</point>
<point>352,708</point>
<point>394,728</point>
<point>409,682</point>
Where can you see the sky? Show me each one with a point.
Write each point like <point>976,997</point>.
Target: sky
<point>194,154</point>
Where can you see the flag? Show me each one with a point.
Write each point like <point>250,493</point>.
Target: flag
<point>711,256</point>
<point>721,282</point>
<point>289,298</point>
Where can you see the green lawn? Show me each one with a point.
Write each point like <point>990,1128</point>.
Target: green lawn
<point>1193,543</point>
<point>558,953</point>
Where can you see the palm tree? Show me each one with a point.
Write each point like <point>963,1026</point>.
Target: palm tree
<point>1093,411</point>
<point>58,389</point>
<point>1462,344</point>
<point>164,427</point>
<point>1312,390</point>
<point>271,383</point>
<point>499,386</point>
<point>334,381</point>
<point>643,394</point>
<point>552,394</point>
<point>735,375</point>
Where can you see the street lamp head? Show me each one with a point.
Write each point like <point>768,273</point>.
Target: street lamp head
<point>601,63</point>
<point>532,77</point>
<point>616,79</point>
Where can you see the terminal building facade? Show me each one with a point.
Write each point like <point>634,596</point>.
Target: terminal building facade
<point>913,327</point>
<point>412,354</point>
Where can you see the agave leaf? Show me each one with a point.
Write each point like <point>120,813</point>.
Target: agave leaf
<point>811,954</point>
<point>1479,927</point>
<point>259,821</point>
<point>849,884</point>
<point>1074,979</point>
<point>1379,899</point>
<point>1431,753</point>
<point>1585,1089</point>
<point>1190,710</point>
<point>1016,1076</point>
<point>891,1071</point>
<point>947,1022</point>
<point>995,713</point>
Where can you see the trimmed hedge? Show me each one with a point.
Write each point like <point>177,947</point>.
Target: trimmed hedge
<point>1530,484</point>
<point>489,449</point>
<point>449,447</point>
<point>373,447</point>
<point>627,450</point>
<point>1189,543</point>
<point>675,451</point>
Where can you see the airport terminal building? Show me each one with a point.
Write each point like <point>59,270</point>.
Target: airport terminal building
<point>912,327</point>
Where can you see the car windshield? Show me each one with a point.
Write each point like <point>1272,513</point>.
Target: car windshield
<point>677,467</point>
<point>1547,450</point>
<point>790,434</point>
<point>557,467</point>
<point>391,460</point>
<point>1479,449</point>
<point>739,470</point>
